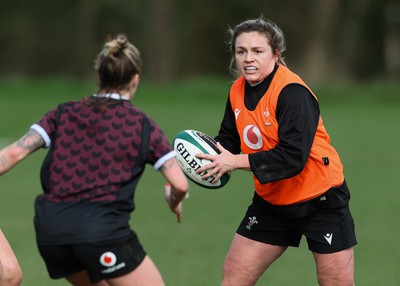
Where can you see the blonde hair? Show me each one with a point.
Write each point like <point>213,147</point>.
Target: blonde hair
<point>117,63</point>
<point>273,33</point>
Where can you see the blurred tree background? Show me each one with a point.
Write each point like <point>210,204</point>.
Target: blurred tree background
<point>349,48</point>
<point>329,39</point>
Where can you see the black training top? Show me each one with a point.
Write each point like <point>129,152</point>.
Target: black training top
<point>297,115</point>
<point>89,176</point>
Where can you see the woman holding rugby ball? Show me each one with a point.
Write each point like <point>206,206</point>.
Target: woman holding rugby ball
<point>98,148</point>
<point>272,127</point>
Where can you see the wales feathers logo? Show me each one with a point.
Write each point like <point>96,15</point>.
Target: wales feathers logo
<point>252,222</point>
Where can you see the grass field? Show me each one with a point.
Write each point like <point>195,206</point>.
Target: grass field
<point>363,121</point>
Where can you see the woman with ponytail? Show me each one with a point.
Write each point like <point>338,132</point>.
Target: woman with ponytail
<point>98,147</point>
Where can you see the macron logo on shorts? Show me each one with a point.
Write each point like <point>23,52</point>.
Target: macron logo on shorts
<point>109,260</point>
<point>328,238</point>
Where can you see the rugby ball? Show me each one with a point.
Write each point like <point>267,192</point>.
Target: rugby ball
<point>187,144</point>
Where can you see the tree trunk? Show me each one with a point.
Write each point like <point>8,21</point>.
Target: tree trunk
<point>159,40</point>
<point>86,37</point>
<point>318,64</point>
<point>392,40</point>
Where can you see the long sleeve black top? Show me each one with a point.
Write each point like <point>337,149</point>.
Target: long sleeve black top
<point>297,114</point>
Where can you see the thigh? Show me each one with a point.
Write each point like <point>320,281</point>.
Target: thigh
<point>81,278</point>
<point>146,274</point>
<point>335,269</point>
<point>247,260</point>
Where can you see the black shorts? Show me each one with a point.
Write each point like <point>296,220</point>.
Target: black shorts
<point>100,260</point>
<point>328,228</point>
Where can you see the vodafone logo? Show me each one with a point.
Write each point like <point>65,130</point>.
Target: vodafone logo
<point>108,259</point>
<point>252,137</point>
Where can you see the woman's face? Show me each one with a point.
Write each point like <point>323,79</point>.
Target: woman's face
<point>254,57</point>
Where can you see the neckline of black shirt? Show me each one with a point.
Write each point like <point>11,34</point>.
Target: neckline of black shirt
<point>253,94</point>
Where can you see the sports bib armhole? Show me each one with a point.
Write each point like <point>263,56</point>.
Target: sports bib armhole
<point>145,144</point>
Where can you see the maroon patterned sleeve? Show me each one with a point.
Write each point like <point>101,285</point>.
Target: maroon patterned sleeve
<point>159,144</point>
<point>48,123</point>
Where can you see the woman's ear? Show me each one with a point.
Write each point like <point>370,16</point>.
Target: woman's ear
<point>135,81</point>
<point>277,55</point>
<point>134,85</point>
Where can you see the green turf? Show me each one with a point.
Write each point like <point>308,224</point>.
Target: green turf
<point>363,123</point>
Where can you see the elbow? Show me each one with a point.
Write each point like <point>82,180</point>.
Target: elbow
<point>295,164</point>
<point>296,169</point>
<point>293,169</point>
<point>15,154</point>
<point>10,156</point>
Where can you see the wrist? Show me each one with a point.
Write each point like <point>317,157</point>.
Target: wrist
<point>175,199</point>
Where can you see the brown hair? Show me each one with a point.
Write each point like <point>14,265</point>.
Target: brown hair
<point>273,33</point>
<point>117,63</point>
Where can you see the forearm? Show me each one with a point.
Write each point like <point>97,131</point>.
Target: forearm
<point>14,153</point>
<point>176,189</point>
<point>9,157</point>
<point>242,162</point>
<point>177,181</point>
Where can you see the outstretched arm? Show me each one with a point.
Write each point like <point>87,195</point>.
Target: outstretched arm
<point>177,188</point>
<point>17,151</point>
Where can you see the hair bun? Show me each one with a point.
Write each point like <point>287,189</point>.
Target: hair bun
<point>122,40</point>
<point>117,44</point>
<point>117,63</point>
